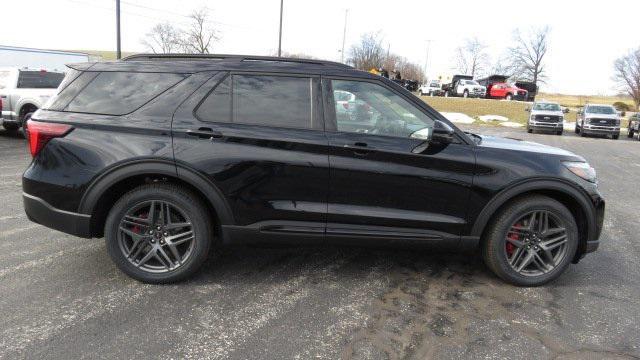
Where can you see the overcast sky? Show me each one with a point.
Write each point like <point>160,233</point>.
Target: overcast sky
<point>586,36</point>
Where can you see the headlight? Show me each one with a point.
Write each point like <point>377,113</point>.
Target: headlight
<point>581,169</point>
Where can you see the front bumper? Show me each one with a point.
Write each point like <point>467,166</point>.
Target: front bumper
<point>602,130</point>
<point>546,125</point>
<point>41,212</point>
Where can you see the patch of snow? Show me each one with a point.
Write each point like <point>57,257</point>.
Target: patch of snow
<point>511,124</point>
<point>459,118</point>
<point>487,118</point>
<point>569,125</point>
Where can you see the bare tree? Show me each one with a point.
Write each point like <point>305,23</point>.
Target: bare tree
<point>627,74</point>
<point>527,54</point>
<point>163,38</point>
<point>199,37</point>
<point>472,57</point>
<point>368,54</point>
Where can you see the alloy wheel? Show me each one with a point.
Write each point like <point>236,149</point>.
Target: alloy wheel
<point>536,243</point>
<point>156,236</point>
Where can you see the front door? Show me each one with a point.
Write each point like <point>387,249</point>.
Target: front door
<point>383,181</point>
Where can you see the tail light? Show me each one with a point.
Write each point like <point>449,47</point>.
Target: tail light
<point>39,134</point>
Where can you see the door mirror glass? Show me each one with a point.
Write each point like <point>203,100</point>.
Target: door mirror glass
<point>442,133</point>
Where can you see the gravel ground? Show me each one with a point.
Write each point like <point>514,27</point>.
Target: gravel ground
<point>61,297</point>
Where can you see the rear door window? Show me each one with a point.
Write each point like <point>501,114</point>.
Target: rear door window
<point>119,93</point>
<point>268,100</point>
<point>39,79</point>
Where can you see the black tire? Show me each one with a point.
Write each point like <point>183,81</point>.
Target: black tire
<point>177,196</point>
<point>11,127</point>
<point>495,239</point>
<point>529,130</point>
<point>508,97</point>
<point>577,130</point>
<point>629,132</point>
<point>465,94</point>
<point>615,137</point>
<point>559,132</point>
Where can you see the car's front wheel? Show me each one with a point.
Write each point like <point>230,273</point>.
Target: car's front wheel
<point>158,233</point>
<point>531,242</point>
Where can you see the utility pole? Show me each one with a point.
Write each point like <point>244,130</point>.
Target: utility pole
<point>344,35</point>
<point>118,50</point>
<point>280,33</point>
<point>426,60</point>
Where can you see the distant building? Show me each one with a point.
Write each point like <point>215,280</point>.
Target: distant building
<point>51,60</point>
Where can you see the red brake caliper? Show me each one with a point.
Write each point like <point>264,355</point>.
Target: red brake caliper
<point>513,236</point>
<point>136,228</point>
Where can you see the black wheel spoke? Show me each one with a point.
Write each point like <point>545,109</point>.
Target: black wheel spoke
<point>156,236</point>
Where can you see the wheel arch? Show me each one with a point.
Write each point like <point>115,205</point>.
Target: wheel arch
<point>104,191</point>
<point>574,198</point>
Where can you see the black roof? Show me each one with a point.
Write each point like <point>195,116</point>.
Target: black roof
<point>191,63</point>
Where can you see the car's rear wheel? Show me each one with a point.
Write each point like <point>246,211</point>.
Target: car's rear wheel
<point>531,242</point>
<point>158,233</point>
<point>465,94</point>
<point>615,137</point>
<point>559,132</point>
<point>629,132</point>
<point>508,97</point>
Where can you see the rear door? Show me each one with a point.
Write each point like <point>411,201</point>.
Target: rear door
<point>383,183</point>
<point>260,139</point>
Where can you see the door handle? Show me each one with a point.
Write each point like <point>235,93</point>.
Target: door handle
<point>358,148</point>
<point>205,133</point>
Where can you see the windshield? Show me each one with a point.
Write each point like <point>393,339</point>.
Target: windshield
<point>546,107</point>
<point>471,82</point>
<point>434,84</point>
<point>604,110</point>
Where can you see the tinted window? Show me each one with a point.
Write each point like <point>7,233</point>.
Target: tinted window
<point>68,90</point>
<point>376,110</point>
<point>217,106</point>
<point>604,110</point>
<point>272,100</point>
<point>39,79</point>
<point>118,93</point>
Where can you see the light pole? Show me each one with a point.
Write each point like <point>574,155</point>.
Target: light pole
<point>280,33</point>
<point>426,60</point>
<point>344,35</point>
<point>118,50</point>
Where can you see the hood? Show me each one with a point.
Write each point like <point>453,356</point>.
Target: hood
<point>521,145</point>
<point>543,112</point>
<point>601,116</point>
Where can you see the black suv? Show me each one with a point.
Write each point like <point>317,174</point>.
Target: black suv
<point>169,156</point>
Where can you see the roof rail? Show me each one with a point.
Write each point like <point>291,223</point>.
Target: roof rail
<point>160,57</point>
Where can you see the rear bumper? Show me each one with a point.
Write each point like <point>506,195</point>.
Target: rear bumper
<point>41,212</point>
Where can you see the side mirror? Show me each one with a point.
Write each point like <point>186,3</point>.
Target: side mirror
<point>442,133</point>
<point>565,110</point>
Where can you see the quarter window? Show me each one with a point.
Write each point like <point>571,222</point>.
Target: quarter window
<point>119,93</point>
<point>375,110</point>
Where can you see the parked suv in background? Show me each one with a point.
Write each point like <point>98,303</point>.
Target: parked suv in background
<point>596,119</point>
<point>168,158</point>
<point>23,91</point>
<point>547,116</point>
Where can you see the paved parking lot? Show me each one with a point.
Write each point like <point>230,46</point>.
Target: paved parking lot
<point>61,297</point>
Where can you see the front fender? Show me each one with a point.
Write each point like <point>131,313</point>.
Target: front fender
<point>579,195</point>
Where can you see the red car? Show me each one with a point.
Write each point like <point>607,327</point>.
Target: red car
<point>498,88</point>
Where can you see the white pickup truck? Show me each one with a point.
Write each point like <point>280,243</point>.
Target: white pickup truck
<point>23,91</point>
